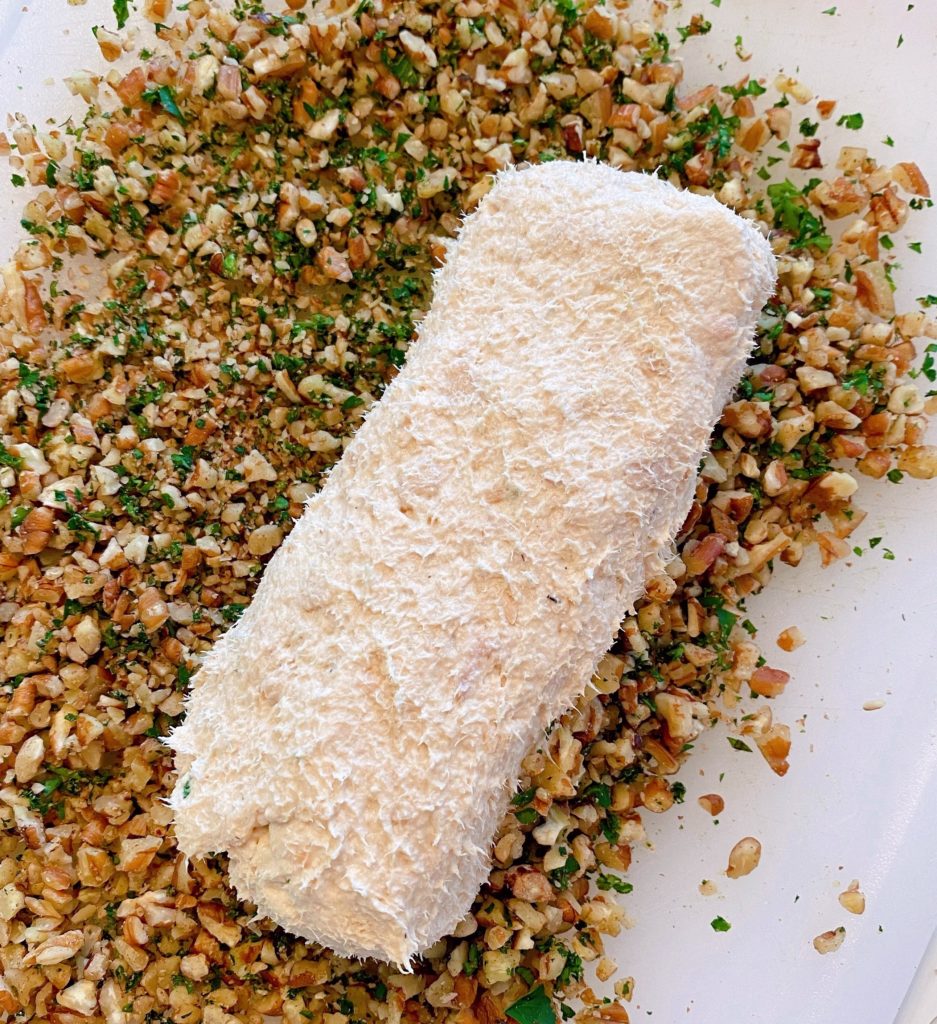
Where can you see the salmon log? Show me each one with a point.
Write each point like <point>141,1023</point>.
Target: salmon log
<point>353,742</point>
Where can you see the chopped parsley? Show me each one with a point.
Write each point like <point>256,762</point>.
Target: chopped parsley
<point>851,121</point>
<point>791,214</point>
<point>534,1008</point>
<point>165,96</point>
<point>607,882</point>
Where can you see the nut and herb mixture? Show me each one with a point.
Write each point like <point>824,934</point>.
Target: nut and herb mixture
<point>220,271</point>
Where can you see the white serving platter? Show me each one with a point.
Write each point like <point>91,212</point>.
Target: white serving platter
<point>860,800</point>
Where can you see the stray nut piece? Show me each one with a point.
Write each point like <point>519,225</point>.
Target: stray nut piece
<point>744,857</point>
<point>712,803</point>
<point>829,942</point>
<point>853,899</point>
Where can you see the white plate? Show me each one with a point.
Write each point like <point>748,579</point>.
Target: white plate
<point>860,800</point>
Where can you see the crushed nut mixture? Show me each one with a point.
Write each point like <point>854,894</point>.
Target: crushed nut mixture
<point>220,271</point>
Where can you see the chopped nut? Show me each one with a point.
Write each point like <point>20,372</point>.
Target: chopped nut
<point>28,758</point>
<point>744,857</point>
<point>829,942</point>
<point>852,899</point>
<point>152,609</point>
<point>712,803</point>
<point>791,638</point>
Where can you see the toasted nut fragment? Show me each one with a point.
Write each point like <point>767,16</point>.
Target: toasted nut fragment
<point>702,555</point>
<point>853,899</point>
<point>605,1013</point>
<point>531,886</point>
<point>83,368</point>
<point>791,638</point>
<point>23,700</point>
<point>840,197</point>
<point>806,154</point>
<point>750,419</point>
<point>264,539</point>
<point>152,609</point>
<point>744,857</point>
<point>712,803</point>
<point>37,530</point>
<point>919,461</point>
<point>109,43</point>
<point>775,745</point>
<point>136,854</point>
<point>165,186</point>
<point>56,950</point>
<point>909,177</point>
<point>829,942</point>
<point>769,682</point>
<point>157,10</point>
<point>657,796</point>
<point>775,478</point>
<point>82,997</point>
<point>334,264</point>
<point>28,758</point>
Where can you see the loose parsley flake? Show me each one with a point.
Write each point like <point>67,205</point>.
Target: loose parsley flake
<point>608,882</point>
<point>751,88</point>
<point>534,1008</point>
<point>165,96</point>
<point>792,214</point>
<point>851,121</point>
<point>121,12</point>
<point>736,744</point>
<point>719,924</point>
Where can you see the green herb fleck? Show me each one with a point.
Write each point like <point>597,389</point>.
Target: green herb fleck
<point>472,960</point>
<point>612,882</point>
<point>851,121</point>
<point>165,96</point>
<point>534,1008</point>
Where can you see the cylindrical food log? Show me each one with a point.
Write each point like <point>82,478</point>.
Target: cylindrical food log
<point>353,742</point>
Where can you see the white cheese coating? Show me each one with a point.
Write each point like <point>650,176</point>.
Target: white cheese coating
<point>353,742</point>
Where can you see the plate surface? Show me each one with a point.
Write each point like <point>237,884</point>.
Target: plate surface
<point>860,798</point>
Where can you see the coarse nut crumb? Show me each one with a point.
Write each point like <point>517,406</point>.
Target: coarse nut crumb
<point>744,857</point>
<point>791,638</point>
<point>829,942</point>
<point>853,899</point>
